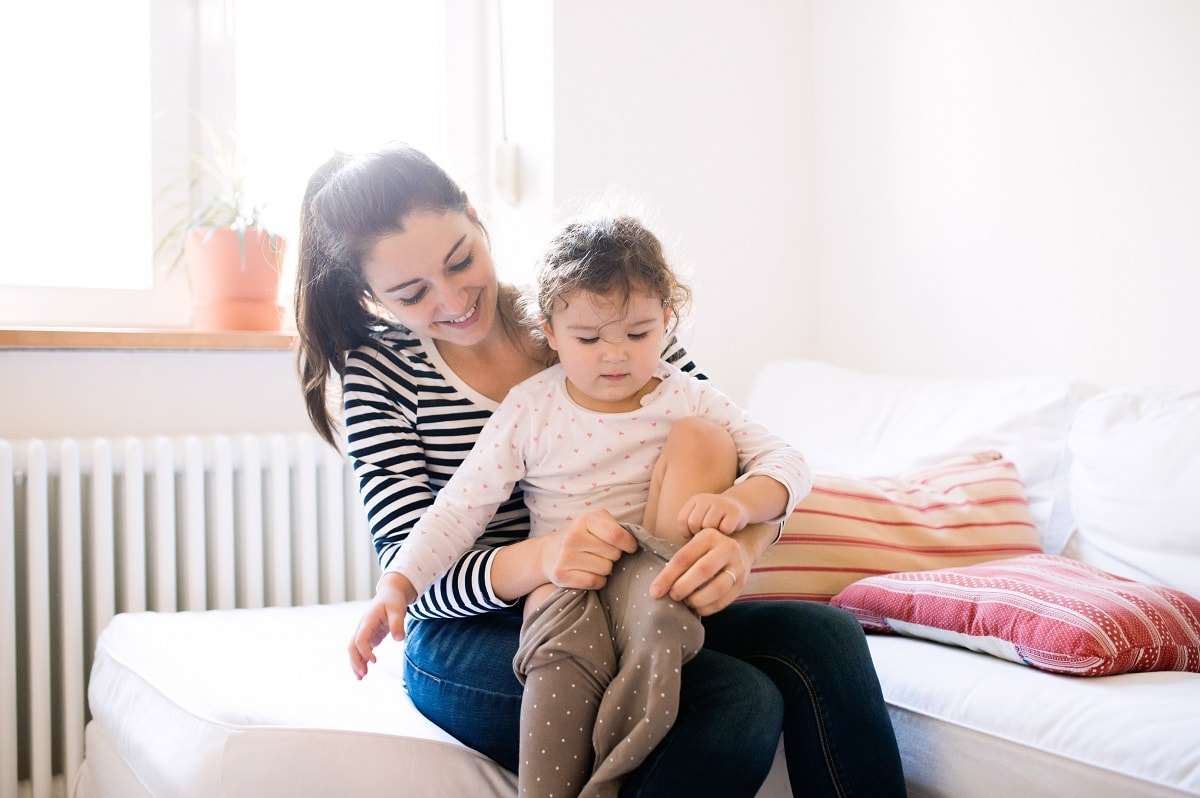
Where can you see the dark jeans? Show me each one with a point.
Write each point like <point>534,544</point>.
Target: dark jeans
<point>790,667</point>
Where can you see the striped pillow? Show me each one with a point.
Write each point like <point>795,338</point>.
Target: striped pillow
<point>1048,612</point>
<point>968,510</point>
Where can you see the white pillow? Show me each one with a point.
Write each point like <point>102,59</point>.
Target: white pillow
<point>860,424</point>
<point>1135,485</point>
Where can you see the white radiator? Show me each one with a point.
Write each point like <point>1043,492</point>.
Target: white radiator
<point>93,527</point>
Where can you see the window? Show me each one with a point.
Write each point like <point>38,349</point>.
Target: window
<point>75,142</point>
<point>102,110</point>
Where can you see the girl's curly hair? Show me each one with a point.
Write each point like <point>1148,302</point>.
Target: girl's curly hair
<point>604,255</point>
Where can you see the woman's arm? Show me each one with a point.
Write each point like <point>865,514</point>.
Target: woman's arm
<point>380,393</point>
<point>677,356</point>
<point>580,556</point>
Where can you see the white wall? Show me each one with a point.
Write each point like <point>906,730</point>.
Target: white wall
<point>910,186</point>
<point>55,393</point>
<point>958,187</point>
<point>1009,187</point>
<point>696,114</point>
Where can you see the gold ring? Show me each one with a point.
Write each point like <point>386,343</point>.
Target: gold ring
<point>732,575</point>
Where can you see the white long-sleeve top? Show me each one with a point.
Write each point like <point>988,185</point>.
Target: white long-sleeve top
<point>570,460</point>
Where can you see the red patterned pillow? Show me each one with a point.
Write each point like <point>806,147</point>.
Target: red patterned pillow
<point>1049,612</point>
<point>968,510</point>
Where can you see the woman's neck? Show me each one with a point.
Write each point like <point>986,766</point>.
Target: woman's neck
<point>494,365</point>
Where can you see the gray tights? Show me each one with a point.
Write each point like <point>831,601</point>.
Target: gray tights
<point>601,670</point>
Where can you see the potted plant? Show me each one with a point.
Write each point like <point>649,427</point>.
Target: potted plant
<point>233,261</point>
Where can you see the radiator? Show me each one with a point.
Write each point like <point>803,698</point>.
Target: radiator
<point>94,527</point>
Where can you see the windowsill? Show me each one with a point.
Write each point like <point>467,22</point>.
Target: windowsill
<point>181,339</point>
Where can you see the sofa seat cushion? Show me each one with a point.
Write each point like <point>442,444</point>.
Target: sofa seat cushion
<point>261,702</point>
<point>1048,612</point>
<point>967,510</point>
<point>968,723</point>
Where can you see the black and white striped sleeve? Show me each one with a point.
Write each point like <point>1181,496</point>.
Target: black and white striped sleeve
<point>398,469</point>
<point>677,356</point>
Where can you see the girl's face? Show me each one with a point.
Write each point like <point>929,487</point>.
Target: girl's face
<point>608,347</point>
<point>437,277</point>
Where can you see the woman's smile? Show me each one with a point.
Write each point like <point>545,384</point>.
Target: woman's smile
<point>465,320</point>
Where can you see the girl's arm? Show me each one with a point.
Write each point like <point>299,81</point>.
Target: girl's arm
<point>380,397</point>
<point>763,457</point>
<point>580,556</point>
<point>467,503</point>
<point>394,482</point>
<point>755,499</point>
<point>730,530</point>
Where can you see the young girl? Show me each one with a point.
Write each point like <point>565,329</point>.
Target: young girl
<point>601,668</point>
<point>397,298</point>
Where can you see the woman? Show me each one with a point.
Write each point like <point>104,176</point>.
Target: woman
<point>398,295</point>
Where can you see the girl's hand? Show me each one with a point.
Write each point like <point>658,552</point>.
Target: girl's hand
<point>385,614</point>
<point>582,555</point>
<point>707,573</point>
<point>718,511</point>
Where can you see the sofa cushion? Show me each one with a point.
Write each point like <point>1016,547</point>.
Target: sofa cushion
<point>967,510</point>
<point>1052,613</point>
<point>859,424</point>
<point>1135,485</point>
<point>968,723</point>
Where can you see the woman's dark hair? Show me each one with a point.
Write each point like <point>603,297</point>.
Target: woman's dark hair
<point>349,205</point>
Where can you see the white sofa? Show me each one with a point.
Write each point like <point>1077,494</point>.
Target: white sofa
<point>1113,479</point>
<point>262,702</point>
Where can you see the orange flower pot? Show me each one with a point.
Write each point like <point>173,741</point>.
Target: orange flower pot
<point>229,291</point>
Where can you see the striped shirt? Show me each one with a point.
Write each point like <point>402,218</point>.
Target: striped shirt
<point>410,421</point>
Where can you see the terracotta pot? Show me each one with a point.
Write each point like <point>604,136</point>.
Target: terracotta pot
<point>229,291</point>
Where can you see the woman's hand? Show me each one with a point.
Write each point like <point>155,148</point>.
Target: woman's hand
<point>385,614</point>
<point>582,555</point>
<point>709,571</point>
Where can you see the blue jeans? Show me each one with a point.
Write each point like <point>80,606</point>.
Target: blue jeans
<point>790,667</point>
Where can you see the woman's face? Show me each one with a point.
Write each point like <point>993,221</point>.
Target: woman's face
<point>436,277</point>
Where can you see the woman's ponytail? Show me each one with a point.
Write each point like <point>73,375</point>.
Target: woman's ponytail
<point>331,307</point>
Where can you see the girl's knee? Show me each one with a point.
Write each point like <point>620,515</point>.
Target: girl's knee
<point>699,435</point>
<point>702,446</point>
<point>699,456</point>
